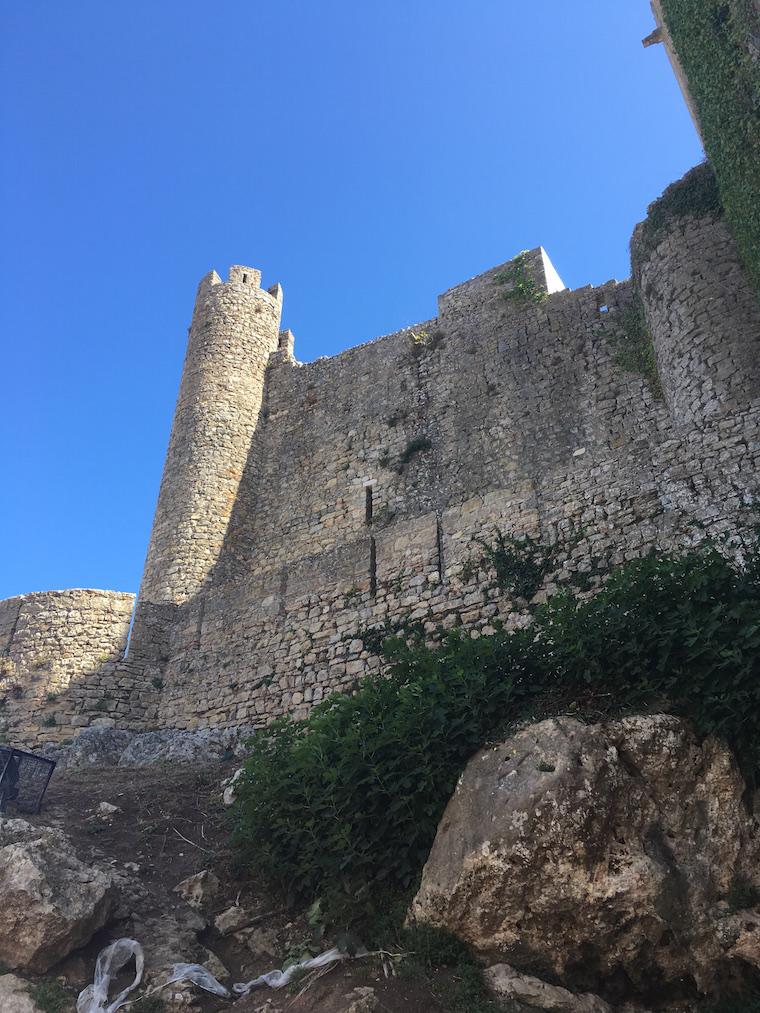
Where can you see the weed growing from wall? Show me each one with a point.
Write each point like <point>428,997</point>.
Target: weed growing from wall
<point>426,340</point>
<point>714,40</point>
<point>344,806</point>
<point>634,348</point>
<point>417,445</point>
<point>522,286</point>
<point>520,564</point>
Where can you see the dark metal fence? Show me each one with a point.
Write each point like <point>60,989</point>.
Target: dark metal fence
<point>24,778</point>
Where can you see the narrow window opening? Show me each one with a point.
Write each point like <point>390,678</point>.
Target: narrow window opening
<point>245,278</point>
<point>372,567</point>
<point>439,544</point>
<point>368,504</point>
<point>604,309</point>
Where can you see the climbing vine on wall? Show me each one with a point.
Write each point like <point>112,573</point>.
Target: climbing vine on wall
<point>716,42</point>
<point>520,564</point>
<point>635,349</point>
<point>522,286</point>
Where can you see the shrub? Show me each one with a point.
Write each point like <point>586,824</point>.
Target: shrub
<point>51,997</point>
<point>345,805</point>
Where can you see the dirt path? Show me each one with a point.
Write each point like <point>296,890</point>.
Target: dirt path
<point>169,823</point>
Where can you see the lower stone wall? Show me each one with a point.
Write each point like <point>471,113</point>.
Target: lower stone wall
<point>61,664</point>
<point>257,649</point>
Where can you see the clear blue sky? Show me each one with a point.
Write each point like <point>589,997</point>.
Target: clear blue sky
<point>366,155</point>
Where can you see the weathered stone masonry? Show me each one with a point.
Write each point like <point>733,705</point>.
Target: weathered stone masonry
<point>302,504</point>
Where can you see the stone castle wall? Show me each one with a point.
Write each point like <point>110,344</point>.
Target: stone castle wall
<point>316,502</point>
<point>60,653</point>
<point>524,422</point>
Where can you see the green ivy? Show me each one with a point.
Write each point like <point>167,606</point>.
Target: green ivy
<point>519,564</point>
<point>522,285</point>
<point>344,806</point>
<point>713,40</point>
<point>696,195</point>
<point>635,348</point>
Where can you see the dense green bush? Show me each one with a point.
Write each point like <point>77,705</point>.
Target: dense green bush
<point>345,805</point>
<point>714,40</point>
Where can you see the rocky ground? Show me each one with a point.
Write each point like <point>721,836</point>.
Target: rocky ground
<point>154,827</point>
<point>616,860</point>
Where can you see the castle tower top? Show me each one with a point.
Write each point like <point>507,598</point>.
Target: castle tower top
<point>235,329</point>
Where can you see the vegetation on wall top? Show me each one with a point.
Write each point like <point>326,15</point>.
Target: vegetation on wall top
<point>519,281</point>
<point>716,43</point>
<point>695,195</point>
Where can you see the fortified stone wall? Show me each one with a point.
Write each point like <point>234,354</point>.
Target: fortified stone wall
<point>377,471</point>
<point>707,345</point>
<point>305,506</point>
<point>59,662</point>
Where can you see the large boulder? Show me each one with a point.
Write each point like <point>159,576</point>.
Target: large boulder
<point>50,901</point>
<point>608,857</point>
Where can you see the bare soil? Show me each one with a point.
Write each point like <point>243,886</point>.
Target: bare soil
<point>169,824</point>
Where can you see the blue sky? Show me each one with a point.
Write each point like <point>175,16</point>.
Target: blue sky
<point>366,155</point>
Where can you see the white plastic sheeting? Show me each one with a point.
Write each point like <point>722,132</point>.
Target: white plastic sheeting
<point>111,960</point>
<point>94,999</point>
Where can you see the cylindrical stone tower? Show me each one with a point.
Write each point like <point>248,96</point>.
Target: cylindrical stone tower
<point>702,312</point>
<point>234,330</point>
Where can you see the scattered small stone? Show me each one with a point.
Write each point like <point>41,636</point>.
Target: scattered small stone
<point>229,796</point>
<point>232,919</point>
<point>261,942</point>
<point>199,889</point>
<point>106,811</point>
<point>214,966</point>
<point>507,983</point>
<point>364,1000</point>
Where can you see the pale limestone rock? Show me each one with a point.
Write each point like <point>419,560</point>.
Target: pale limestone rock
<point>364,1000</point>
<point>229,784</point>
<point>15,997</point>
<point>232,919</point>
<point>591,852</point>
<point>507,983</point>
<point>106,811</point>
<point>214,966</point>
<point>198,890</point>
<point>50,902</point>
<point>261,942</point>
<point>744,932</point>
